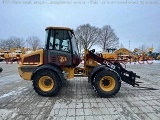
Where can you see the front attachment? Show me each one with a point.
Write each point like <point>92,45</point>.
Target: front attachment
<point>126,76</point>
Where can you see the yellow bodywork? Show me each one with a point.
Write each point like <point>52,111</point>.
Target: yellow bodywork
<point>89,63</point>
<point>25,74</point>
<point>70,72</point>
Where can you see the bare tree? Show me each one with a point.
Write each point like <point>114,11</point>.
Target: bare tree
<point>87,36</point>
<point>7,44</point>
<point>108,38</point>
<point>143,48</point>
<point>11,42</point>
<point>79,45</point>
<point>34,42</point>
<point>2,43</point>
<point>18,42</point>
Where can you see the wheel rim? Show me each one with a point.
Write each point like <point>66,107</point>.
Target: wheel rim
<point>107,83</point>
<point>46,83</point>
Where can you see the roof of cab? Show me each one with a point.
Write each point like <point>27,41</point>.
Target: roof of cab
<point>59,28</point>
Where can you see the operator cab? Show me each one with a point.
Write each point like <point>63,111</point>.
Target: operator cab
<point>61,47</point>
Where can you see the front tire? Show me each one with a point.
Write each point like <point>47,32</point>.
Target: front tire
<point>106,83</point>
<point>46,83</point>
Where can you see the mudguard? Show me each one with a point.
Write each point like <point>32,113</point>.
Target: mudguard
<point>51,67</point>
<point>94,71</point>
<point>97,69</point>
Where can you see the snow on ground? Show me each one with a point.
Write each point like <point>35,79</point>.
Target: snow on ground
<point>9,79</point>
<point>16,92</point>
<point>156,61</point>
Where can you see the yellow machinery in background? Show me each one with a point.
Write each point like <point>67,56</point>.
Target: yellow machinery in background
<point>123,53</point>
<point>140,55</point>
<point>158,57</point>
<point>109,54</point>
<point>11,55</point>
<point>4,54</point>
<point>113,54</point>
<point>14,54</point>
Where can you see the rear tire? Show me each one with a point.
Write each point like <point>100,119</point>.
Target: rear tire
<point>46,83</point>
<point>106,83</point>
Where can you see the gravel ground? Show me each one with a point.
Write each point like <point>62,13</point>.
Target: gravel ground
<point>78,101</point>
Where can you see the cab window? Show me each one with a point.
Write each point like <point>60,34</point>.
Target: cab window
<point>51,40</point>
<point>62,41</point>
<point>57,44</point>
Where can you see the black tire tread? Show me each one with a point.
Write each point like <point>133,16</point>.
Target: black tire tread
<point>97,88</point>
<point>53,75</point>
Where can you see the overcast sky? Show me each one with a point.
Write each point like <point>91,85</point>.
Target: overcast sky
<point>136,22</point>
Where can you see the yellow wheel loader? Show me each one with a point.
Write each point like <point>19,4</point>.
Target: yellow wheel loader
<point>48,68</point>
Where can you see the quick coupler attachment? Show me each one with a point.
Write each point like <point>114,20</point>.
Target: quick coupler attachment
<point>130,77</point>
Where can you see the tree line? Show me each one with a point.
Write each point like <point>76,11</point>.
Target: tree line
<point>86,37</point>
<point>32,42</point>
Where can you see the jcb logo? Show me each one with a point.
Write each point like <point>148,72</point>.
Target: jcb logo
<point>62,59</point>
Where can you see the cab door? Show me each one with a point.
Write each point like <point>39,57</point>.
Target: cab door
<point>59,48</point>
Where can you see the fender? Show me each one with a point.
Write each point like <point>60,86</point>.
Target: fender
<point>99,68</point>
<point>57,70</point>
<point>94,71</point>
